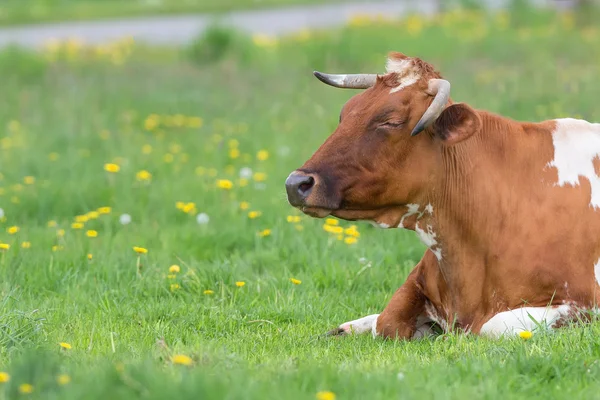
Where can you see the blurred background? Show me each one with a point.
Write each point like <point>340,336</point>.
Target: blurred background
<point>171,125</point>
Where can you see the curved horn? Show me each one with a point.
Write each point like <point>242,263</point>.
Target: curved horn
<point>347,81</point>
<point>439,88</point>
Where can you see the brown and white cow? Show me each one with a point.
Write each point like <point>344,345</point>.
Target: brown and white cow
<point>509,210</point>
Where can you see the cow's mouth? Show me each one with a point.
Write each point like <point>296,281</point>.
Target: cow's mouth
<point>315,212</point>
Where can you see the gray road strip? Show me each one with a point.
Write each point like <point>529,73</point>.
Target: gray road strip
<point>178,30</point>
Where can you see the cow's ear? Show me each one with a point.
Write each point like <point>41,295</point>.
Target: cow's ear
<point>456,123</point>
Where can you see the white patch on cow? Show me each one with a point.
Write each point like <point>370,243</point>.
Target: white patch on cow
<point>576,145</point>
<point>524,319</point>
<point>597,271</point>
<point>429,209</point>
<point>423,327</point>
<point>434,316</point>
<point>362,325</point>
<point>408,74</point>
<point>428,238</point>
<point>383,225</point>
<point>412,210</point>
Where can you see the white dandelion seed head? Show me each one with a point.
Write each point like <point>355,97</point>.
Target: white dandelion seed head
<point>1,213</point>
<point>202,218</point>
<point>125,219</point>
<point>400,376</point>
<point>246,173</point>
<point>283,151</point>
<point>363,260</point>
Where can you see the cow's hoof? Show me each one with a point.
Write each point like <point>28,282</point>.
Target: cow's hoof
<point>337,332</point>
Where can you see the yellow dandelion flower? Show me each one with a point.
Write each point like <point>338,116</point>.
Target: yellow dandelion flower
<point>295,281</point>
<point>53,156</point>
<point>12,230</point>
<point>174,287</point>
<point>65,345</point>
<point>143,176</point>
<point>168,158</point>
<point>242,182</point>
<point>77,225</point>
<point>240,283</point>
<point>265,41</point>
<point>352,231</point>
<point>194,122</point>
<point>293,219</point>
<point>350,240</point>
<point>254,214</point>
<point>171,276</point>
<point>262,155</point>
<point>180,205</point>
<point>91,233</point>
<point>224,184</point>
<point>234,153</point>
<point>90,256</point>
<point>4,246</point>
<point>81,218</point>
<point>104,210</point>
<point>325,395</point>
<point>244,205</point>
<point>60,233</point>
<point>332,222</point>
<point>264,233</point>
<point>56,248</point>
<point>93,215</point>
<point>174,269</point>
<point>212,172</point>
<point>525,335</point>
<point>25,388</point>
<point>299,228</point>
<point>181,359</point>
<point>4,377</point>
<point>189,208</point>
<point>146,149</point>
<point>336,230</point>
<point>208,292</point>
<point>29,180</point>
<point>26,245</point>
<point>111,167</point>
<point>151,122</point>
<point>63,379</point>
<point>233,143</point>
<point>140,250</point>
<point>175,148</point>
<point>259,176</point>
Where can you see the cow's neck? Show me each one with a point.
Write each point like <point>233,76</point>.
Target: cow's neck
<point>464,210</point>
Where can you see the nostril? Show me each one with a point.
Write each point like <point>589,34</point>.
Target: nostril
<point>305,186</point>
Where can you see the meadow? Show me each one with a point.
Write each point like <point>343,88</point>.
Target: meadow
<point>14,12</point>
<point>148,250</point>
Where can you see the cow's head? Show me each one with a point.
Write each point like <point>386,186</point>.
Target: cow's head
<point>376,162</point>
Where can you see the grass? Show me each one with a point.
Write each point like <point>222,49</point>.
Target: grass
<point>36,11</point>
<point>70,110</point>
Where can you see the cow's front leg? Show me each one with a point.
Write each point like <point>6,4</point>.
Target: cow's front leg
<point>403,318</point>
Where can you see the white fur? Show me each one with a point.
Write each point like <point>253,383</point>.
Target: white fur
<point>412,210</point>
<point>407,73</point>
<point>514,321</point>
<point>429,208</point>
<point>576,145</point>
<point>362,325</point>
<point>596,271</point>
<point>428,237</point>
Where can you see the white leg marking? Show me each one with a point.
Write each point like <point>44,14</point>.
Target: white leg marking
<point>362,325</point>
<point>429,239</point>
<point>423,327</point>
<point>576,145</point>
<point>514,321</point>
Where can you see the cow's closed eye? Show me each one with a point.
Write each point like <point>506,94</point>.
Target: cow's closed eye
<point>390,125</point>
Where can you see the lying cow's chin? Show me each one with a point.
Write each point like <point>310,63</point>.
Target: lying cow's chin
<point>315,212</point>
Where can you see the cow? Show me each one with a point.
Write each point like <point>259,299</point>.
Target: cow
<point>509,211</point>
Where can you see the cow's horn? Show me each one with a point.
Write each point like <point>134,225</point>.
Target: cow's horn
<point>439,88</point>
<point>348,81</point>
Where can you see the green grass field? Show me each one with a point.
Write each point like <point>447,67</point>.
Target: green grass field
<point>193,120</point>
<point>36,11</point>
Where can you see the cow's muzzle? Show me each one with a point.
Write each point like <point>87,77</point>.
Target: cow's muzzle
<point>299,186</point>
